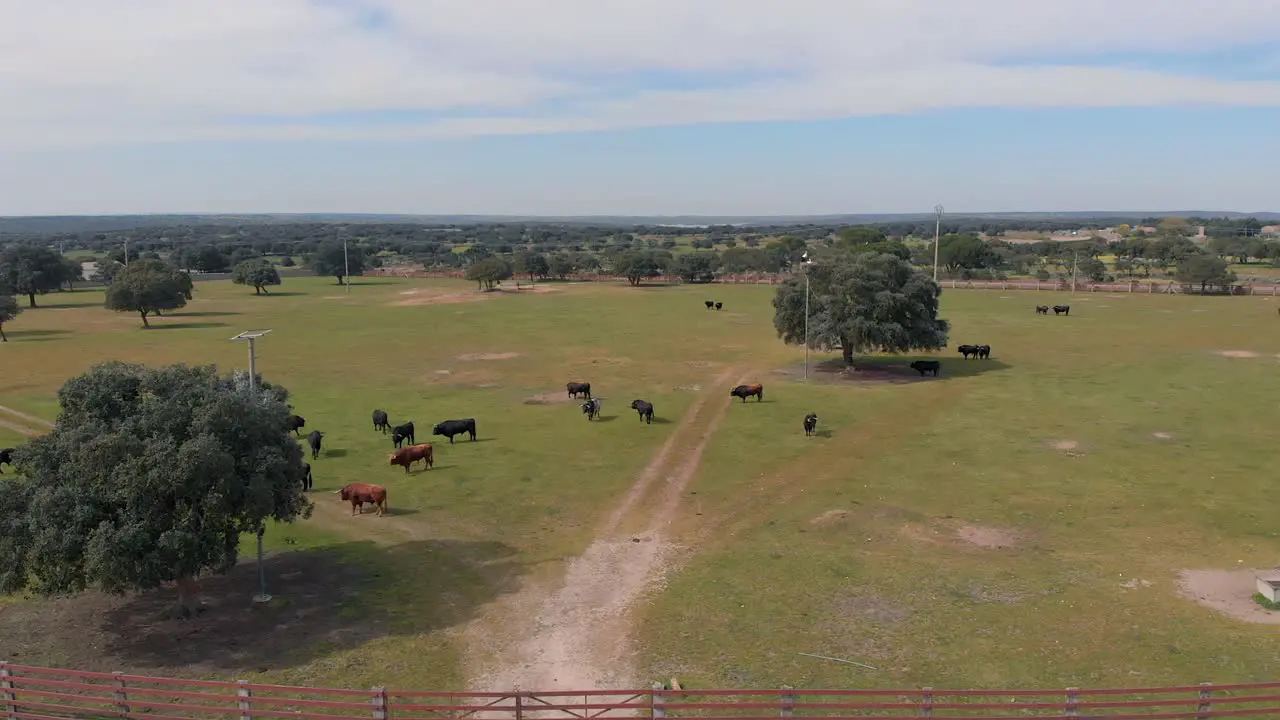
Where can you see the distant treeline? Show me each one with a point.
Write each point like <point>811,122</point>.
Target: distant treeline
<point>972,248</point>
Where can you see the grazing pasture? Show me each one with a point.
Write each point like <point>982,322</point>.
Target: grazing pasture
<point>1018,520</point>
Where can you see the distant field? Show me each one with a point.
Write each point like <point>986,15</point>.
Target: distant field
<point>1018,521</point>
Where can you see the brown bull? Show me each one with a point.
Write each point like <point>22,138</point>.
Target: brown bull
<point>410,454</point>
<point>359,493</point>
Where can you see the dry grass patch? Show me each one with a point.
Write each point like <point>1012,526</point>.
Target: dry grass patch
<point>471,357</point>
<point>989,538</point>
<point>1238,353</point>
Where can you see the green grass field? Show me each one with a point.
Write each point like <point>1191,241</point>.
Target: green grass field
<point>1116,445</point>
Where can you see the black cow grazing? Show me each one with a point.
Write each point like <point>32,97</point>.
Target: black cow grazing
<point>1042,309</point>
<point>710,304</point>
<point>810,424</point>
<point>719,306</point>
<point>645,409</point>
<point>591,409</point>
<point>449,428</point>
<point>314,441</point>
<point>380,421</point>
<point>6,457</point>
<point>924,366</point>
<point>968,350</point>
<point>1061,309</point>
<point>306,477</point>
<point>579,388</point>
<point>401,433</point>
<point>984,351</point>
<point>746,391</point>
<point>294,423</point>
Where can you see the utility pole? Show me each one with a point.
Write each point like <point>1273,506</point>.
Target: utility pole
<point>937,238</point>
<point>251,335</point>
<point>346,266</point>
<point>1074,258</point>
<point>805,264</point>
<point>126,251</point>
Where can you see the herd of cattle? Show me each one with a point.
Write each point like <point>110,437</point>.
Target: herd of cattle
<point>406,451</point>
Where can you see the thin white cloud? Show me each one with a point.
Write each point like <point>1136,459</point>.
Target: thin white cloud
<point>85,72</point>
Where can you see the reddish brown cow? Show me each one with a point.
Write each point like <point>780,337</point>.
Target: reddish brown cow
<point>359,493</point>
<point>409,454</point>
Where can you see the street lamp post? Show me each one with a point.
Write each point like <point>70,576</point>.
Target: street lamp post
<point>806,265</point>
<point>252,335</point>
<point>937,236</point>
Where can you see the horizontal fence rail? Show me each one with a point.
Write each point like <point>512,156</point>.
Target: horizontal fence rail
<point>774,279</point>
<point>36,693</point>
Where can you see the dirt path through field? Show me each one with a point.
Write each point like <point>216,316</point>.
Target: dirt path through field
<point>28,419</point>
<point>576,635</point>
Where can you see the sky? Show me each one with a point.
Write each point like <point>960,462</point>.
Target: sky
<point>638,107</point>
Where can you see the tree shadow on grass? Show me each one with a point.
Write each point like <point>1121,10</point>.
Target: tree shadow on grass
<point>889,369</point>
<point>36,335</point>
<point>282,293</point>
<point>334,452</point>
<point>324,601</point>
<point>202,313</point>
<point>185,325</point>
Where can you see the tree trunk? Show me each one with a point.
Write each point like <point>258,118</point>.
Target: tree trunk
<point>257,289</point>
<point>265,291</point>
<point>847,350</point>
<point>143,313</point>
<point>31,298</point>
<point>188,597</point>
<point>2,335</point>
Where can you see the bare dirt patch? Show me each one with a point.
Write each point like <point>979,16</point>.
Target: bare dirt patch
<point>1238,353</point>
<point>425,297</point>
<point>829,517</point>
<point>1230,592</point>
<point>548,398</point>
<point>989,538</point>
<point>471,357</point>
<point>1065,445</point>
<point>576,633</point>
<point>1162,435</point>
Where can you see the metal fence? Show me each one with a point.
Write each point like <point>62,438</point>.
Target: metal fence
<point>36,693</point>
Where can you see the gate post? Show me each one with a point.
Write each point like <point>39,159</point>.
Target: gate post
<point>656,701</point>
<point>788,701</point>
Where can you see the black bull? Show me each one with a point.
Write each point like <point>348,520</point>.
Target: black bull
<point>449,428</point>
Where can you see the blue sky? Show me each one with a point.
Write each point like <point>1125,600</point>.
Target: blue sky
<point>661,107</point>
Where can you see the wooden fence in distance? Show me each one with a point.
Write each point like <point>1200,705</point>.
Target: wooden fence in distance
<point>35,693</point>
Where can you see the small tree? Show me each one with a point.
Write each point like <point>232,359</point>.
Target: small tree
<point>560,265</point>
<point>9,309</point>
<point>106,271</point>
<point>72,273</point>
<point>636,265</point>
<point>860,303</point>
<point>258,273</point>
<point>150,476</point>
<point>329,259</point>
<point>29,270</point>
<point>697,266</point>
<point>489,272</point>
<point>533,264</point>
<point>1205,271</point>
<point>148,286</point>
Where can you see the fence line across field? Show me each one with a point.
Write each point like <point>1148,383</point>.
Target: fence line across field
<point>40,693</point>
